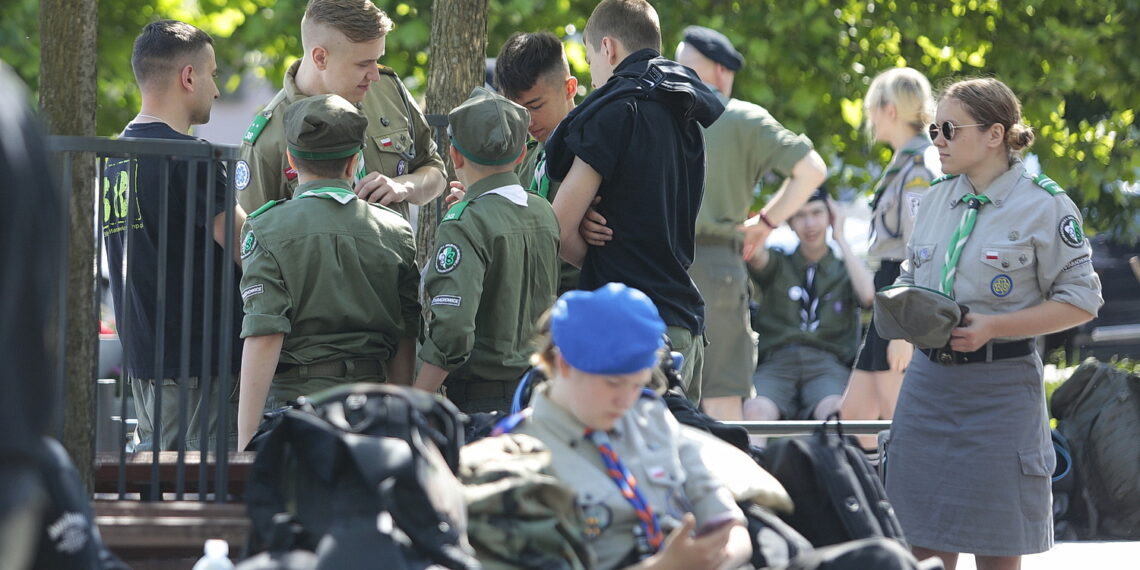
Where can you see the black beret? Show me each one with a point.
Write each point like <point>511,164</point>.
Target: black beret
<point>713,45</point>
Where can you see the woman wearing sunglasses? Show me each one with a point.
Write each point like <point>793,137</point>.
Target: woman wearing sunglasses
<point>898,106</point>
<point>970,457</point>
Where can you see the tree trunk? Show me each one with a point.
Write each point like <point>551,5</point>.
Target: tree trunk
<point>67,100</point>
<point>455,66</point>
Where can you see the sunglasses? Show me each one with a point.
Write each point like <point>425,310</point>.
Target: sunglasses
<point>947,129</point>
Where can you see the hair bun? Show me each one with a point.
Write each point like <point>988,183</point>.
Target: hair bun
<point>1019,137</point>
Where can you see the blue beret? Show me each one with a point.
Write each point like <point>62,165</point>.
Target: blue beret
<point>613,330</point>
<point>714,45</point>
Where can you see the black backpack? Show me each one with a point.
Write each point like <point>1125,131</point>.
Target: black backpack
<point>1098,413</point>
<point>837,494</point>
<point>368,472</point>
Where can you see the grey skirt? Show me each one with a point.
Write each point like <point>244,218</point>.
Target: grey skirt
<point>970,458</point>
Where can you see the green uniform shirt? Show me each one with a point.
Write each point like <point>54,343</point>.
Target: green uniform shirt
<point>340,280</point>
<point>533,176</point>
<point>389,147</point>
<point>742,145</point>
<point>494,273</point>
<point>831,325</point>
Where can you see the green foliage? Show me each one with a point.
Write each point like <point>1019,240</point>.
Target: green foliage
<point>1074,65</point>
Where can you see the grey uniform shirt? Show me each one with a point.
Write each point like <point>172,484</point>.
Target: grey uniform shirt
<point>906,181</point>
<point>650,443</point>
<point>1026,247</point>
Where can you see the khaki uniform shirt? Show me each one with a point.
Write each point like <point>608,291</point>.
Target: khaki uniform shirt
<point>899,194</point>
<point>742,145</point>
<point>651,444</point>
<point>532,175</point>
<point>398,141</point>
<point>339,280</point>
<point>494,273</point>
<point>1026,247</point>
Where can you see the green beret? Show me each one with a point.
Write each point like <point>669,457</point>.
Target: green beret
<point>488,129</point>
<point>324,127</point>
<point>923,317</point>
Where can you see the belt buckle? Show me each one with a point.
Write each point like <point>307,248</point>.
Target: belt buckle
<point>945,357</point>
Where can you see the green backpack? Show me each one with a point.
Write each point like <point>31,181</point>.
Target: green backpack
<point>1098,411</point>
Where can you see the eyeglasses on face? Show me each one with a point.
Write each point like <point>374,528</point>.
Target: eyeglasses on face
<point>947,129</point>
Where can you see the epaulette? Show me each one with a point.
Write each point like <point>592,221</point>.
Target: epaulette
<point>386,70</point>
<point>1047,183</point>
<point>262,118</point>
<point>263,208</point>
<point>943,178</point>
<point>456,211</point>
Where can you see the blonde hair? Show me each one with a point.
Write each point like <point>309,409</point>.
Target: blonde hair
<point>905,88</point>
<point>359,20</point>
<point>991,102</point>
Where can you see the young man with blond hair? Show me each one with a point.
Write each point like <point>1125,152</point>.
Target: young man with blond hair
<point>343,39</point>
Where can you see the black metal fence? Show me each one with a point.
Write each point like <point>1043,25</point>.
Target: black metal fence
<point>117,209</point>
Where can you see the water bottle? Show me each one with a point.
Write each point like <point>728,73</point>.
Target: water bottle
<point>217,556</point>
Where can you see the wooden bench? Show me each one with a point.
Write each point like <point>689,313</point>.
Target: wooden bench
<point>138,470</point>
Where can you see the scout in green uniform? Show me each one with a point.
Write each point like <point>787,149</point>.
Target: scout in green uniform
<point>342,41</point>
<point>496,269</point>
<point>531,70</point>
<point>330,283</point>
<point>741,146</point>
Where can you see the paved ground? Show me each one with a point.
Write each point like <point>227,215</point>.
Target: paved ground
<point>1077,556</point>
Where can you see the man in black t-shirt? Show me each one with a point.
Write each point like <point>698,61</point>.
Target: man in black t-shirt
<point>174,66</point>
<point>636,144</point>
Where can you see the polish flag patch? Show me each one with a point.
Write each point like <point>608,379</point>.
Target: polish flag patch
<point>992,255</point>
<point>290,173</point>
<point>385,141</point>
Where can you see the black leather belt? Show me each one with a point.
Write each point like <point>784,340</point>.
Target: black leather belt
<point>467,389</point>
<point>334,368</point>
<point>988,353</point>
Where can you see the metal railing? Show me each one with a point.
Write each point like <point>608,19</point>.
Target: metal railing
<point>805,427</point>
<point>117,208</point>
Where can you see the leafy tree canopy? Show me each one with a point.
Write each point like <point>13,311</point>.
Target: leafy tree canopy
<point>1073,64</point>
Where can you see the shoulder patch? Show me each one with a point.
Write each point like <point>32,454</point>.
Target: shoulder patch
<point>257,126</point>
<point>241,175</point>
<point>943,178</point>
<point>447,258</point>
<point>456,211</point>
<point>248,244</point>
<point>263,208</point>
<point>1048,185</point>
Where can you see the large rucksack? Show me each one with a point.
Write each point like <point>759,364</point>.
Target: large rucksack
<point>368,472</point>
<point>1098,412</point>
<point>838,496</point>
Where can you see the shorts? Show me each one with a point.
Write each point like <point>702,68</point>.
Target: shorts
<point>873,353</point>
<point>692,348</point>
<point>797,377</point>
<point>145,397</point>
<point>730,357</point>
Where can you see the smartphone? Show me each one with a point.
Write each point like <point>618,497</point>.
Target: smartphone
<point>714,523</point>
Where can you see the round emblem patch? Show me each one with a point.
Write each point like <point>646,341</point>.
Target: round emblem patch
<point>598,517</point>
<point>1001,285</point>
<point>247,245</point>
<point>241,175</point>
<point>447,258</point>
<point>401,167</point>
<point>1071,232</point>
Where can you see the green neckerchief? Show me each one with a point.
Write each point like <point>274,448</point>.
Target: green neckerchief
<point>540,183</point>
<point>958,240</point>
<point>361,171</point>
<point>342,195</point>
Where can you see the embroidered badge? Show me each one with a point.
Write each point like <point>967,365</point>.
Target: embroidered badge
<point>247,245</point>
<point>386,142</point>
<point>598,517</point>
<point>1071,232</point>
<point>251,291</point>
<point>447,258</point>
<point>913,201</point>
<point>447,300</point>
<point>1014,235</point>
<point>1082,260</point>
<point>1001,285</point>
<point>290,172</point>
<point>657,473</point>
<point>401,167</point>
<point>241,175</point>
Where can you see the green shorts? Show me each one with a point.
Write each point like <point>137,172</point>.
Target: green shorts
<point>730,357</point>
<point>145,397</point>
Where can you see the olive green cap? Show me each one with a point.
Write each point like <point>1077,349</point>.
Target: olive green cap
<point>488,129</point>
<point>923,317</point>
<point>324,127</point>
